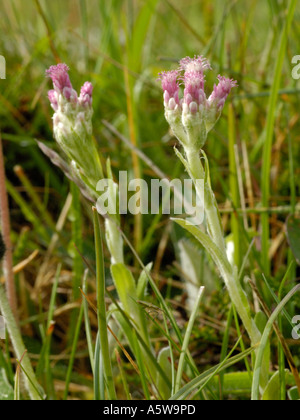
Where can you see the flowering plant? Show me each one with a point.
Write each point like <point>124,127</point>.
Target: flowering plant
<point>191,118</point>
<point>72,126</point>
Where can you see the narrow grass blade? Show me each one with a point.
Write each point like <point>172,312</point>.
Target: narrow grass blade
<point>225,346</point>
<point>187,339</point>
<point>77,271</point>
<point>185,391</point>
<point>102,322</point>
<point>88,331</point>
<point>142,366</point>
<point>43,367</point>
<point>156,292</point>
<point>73,351</point>
<point>123,375</point>
<point>219,367</point>
<point>99,382</point>
<point>31,379</point>
<point>17,384</point>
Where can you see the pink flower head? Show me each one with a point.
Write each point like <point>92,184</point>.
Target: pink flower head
<point>198,64</point>
<point>60,77</point>
<point>86,92</point>
<point>194,115</point>
<point>170,85</point>
<point>52,95</point>
<point>221,91</point>
<point>194,94</point>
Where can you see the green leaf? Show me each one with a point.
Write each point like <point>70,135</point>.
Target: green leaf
<point>125,324</point>
<point>163,360</point>
<point>208,244</point>
<point>261,321</point>
<point>206,170</point>
<point>126,288</point>
<point>272,391</point>
<point>293,394</point>
<point>184,162</point>
<point>6,390</point>
<point>143,282</point>
<point>293,235</point>
<point>234,383</point>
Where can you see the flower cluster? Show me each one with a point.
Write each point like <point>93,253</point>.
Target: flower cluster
<point>194,115</point>
<point>72,123</point>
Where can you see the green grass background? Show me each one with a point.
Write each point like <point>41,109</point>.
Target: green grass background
<point>121,46</point>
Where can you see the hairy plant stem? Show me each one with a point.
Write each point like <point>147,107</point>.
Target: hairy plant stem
<point>211,210</point>
<point>229,273</point>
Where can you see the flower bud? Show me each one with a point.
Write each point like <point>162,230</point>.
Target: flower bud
<point>53,98</point>
<point>198,64</point>
<point>72,123</point>
<point>217,99</point>
<point>59,76</point>
<point>85,98</point>
<point>193,116</point>
<point>173,109</point>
